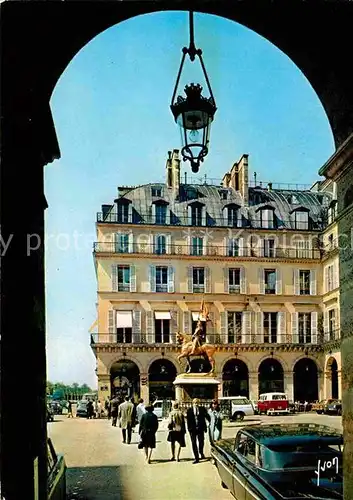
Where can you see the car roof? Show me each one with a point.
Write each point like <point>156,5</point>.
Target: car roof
<point>277,434</point>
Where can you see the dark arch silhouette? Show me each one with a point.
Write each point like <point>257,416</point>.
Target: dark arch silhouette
<point>235,378</point>
<point>125,378</point>
<point>200,365</point>
<point>161,375</point>
<point>332,368</point>
<point>270,376</point>
<point>305,380</point>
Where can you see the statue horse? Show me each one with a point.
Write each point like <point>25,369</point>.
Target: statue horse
<point>205,350</point>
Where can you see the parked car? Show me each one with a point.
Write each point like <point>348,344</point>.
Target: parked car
<point>238,407</point>
<point>255,406</point>
<point>56,407</point>
<point>50,413</point>
<point>334,408</point>
<point>281,461</point>
<point>56,474</point>
<point>82,408</point>
<point>273,403</point>
<point>320,406</point>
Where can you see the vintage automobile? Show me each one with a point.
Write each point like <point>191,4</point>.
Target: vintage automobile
<point>82,408</point>
<point>50,413</point>
<point>56,474</point>
<point>281,462</point>
<point>273,403</point>
<point>320,406</point>
<point>334,408</point>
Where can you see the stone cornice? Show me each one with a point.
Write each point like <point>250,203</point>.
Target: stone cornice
<point>336,165</point>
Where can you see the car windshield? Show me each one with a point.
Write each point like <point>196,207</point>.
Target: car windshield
<point>300,454</point>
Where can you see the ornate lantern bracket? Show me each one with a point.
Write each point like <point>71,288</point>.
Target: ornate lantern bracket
<point>193,113</point>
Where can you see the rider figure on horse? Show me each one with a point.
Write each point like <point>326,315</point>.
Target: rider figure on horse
<point>197,337</point>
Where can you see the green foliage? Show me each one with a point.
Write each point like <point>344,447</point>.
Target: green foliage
<point>62,391</point>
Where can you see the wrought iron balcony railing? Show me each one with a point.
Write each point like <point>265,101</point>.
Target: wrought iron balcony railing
<point>208,221</point>
<point>332,335</point>
<point>205,250</point>
<point>213,338</point>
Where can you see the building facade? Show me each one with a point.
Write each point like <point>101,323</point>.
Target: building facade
<point>263,258</point>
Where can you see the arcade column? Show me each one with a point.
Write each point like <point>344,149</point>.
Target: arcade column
<point>103,387</point>
<point>289,384</point>
<point>254,386</point>
<point>144,388</point>
<point>321,384</point>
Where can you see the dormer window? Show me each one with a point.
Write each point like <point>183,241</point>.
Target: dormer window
<point>266,218</point>
<point>161,214</point>
<point>124,209</point>
<point>231,215</point>
<point>156,192</point>
<point>196,214</point>
<point>223,194</point>
<point>301,218</point>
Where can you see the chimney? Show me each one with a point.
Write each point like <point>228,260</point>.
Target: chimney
<point>226,180</point>
<point>269,186</point>
<point>238,178</point>
<point>173,172</point>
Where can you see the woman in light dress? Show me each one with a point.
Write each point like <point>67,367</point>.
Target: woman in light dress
<point>215,427</point>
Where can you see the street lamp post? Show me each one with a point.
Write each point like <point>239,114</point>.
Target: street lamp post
<point>193,113</point>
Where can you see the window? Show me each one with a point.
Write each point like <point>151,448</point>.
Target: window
<point>194,322</point>
<point>122,243</point>
<point>198,279</point>
<point>332,211</point>
<point>270,281</point>
<point>270,327</point>
<point>123,278</point>
<point>157,191</point>
<point>233,247</point>
<point>162,327</point>
<point>197,246</point>
<point>234,327</point>
<point>161,279</point>
<point>123,212</point>
<point>234,280</point>
<point>301,220</point>
<point>223,194</point>
<point>269,247</point>
<point>304,328</point>
<point>161,214</point>
<point>232,213</point>
<point>332,322</point>
<point>303,249</point>
<point>330,278</point>
<point>196,215</point>
<point>124,335</point>
<point>124,327</point>
<point>304,282</point>
<point>161,245</point>
<point>267,218</point>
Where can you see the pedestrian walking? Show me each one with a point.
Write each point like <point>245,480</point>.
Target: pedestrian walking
<point>114,405</point>
<point>90,411</point>
<point>147,430</point>
<point>196,418</point>
<point>99,409</point>
<point>125,415</point>
<point>216,417</point>
<point>69,410</point>
<point>140,410</point>
<point>107,407</point>
<point>177,430</point>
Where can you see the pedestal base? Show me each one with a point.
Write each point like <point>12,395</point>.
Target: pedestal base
<point>196,385</point>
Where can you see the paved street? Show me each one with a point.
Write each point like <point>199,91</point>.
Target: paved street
<point>101,467</point>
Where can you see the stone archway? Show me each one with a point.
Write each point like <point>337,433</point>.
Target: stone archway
<point>235,377</point>
<point>271,376</point>
<point>305,375</point>
<point>200,365</point>
<point>331,375</point>
<point>161,375</point>
<point>125,379</point>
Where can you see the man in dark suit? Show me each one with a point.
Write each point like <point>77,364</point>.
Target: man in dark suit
<point>196,417</point>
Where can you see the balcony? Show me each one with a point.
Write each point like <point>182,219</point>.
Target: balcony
<point>333,246</point>
<point>207,251</point>
<point>208,221</point>
<point>332,335</point>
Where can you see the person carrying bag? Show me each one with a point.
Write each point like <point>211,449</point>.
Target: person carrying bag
<point>177,430</point>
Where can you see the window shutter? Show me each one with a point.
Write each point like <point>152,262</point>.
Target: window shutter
<point>326,278</point>
<point>226,246</point>
<point>114,277</point>
<point>189,215</point>
<point>246,327</point>
<point>259,336</point>
<point>326,326</point>
<point>170,279</point>
<point>336,280</point>
<point>226,279</point>
<point>129,213</point>
<point>203,216</point>
<point>295,338</point>
<point>296,284</point>
<point>152,278</point>
<point>150,327</point>
<point>190,283</point>
<point>153,221</point>
<point>242,281</point>
<point>111,322</point>
<point>131,242</point>
<point>261,277</point>
<point>241,247</point>
<point>278,281</point>
<point>186,322</point>
<point>224,327</point>
<point>313,282</point>
<point>132,278</point>
<point>281,327</point>
<point>314,327</point>
<point>262,243</point>
<point>207,280</point>
<point>136,327</point>
<point>116,242</point>
<point>169,243</point>
<point>211,332</point>
<point>173,325</point>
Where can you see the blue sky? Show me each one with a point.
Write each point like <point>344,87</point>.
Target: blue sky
<point>114,126</point>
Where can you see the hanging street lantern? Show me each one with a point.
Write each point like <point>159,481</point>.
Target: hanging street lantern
<point>193,113</point>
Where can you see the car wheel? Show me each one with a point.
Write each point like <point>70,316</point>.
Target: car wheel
<point>224,485</point>
<point>238,416</point>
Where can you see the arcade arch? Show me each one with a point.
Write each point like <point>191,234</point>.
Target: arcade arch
<point>271,376</point>
<point>125,379</point>
<point>331,375</point>
<point>235,377</point>
<point>305,378</point>
<point>161,375</point>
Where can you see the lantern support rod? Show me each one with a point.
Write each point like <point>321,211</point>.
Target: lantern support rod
<point>192,48</point>
<point>206,77</point>
<point>179,73</point>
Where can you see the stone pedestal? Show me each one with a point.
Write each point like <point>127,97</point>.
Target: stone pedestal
<point>196,385</point>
